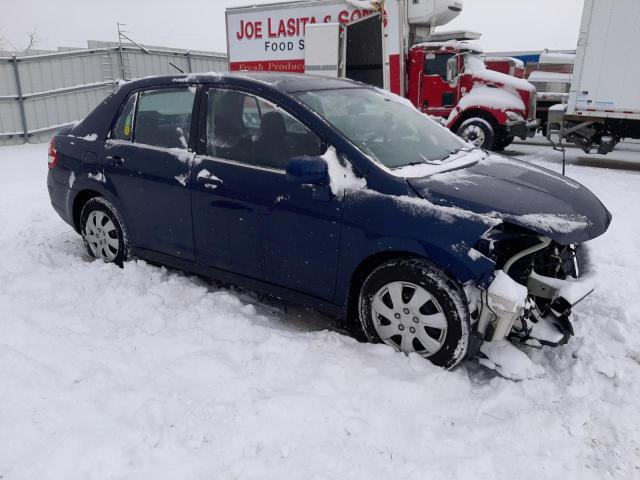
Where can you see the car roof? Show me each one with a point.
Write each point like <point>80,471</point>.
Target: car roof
<point>284,82</point>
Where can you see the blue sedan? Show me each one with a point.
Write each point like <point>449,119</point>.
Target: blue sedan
<point>334,195</point>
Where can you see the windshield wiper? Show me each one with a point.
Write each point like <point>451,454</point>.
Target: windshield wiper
<point>462,149</point>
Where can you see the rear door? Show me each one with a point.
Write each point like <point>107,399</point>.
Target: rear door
<point>365,57</point>
<point>146,163</point>
<point>438,96</point>
<point>248,218</point>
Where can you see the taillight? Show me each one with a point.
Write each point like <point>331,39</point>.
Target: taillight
<point>53,154</point>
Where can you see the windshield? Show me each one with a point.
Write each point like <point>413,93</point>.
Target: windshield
<point>384,126</point>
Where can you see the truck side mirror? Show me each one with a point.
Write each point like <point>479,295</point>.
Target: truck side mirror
<point>452,69</point>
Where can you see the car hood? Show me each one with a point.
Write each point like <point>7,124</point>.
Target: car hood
<point>520,193</point>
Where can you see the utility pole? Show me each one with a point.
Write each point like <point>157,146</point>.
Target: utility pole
<point>123,34</point>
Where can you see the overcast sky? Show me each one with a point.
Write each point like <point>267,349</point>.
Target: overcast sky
<point>199,24</point>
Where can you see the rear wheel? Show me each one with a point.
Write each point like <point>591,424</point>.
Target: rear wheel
<point>477,131</point>
<point>103,231</point>
<point>412,306</point>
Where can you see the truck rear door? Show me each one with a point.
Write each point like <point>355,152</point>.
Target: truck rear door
<point>365,56</point>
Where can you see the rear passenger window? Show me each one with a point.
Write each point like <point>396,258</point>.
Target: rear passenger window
<point>163,117</point>
<point>251,130</point>
<point>123,128</point>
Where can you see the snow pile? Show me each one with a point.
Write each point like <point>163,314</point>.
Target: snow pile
<point>498,98</point>
<point>98,177</point>
<point>506,294</point>
<point>511,362</point>
<point>508,81</point>
<point>455,162</point>
<point>341,174</point>
<point>145,373</point>
<point>206,174</point>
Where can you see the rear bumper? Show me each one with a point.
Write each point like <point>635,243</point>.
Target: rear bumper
<point>524,130</point>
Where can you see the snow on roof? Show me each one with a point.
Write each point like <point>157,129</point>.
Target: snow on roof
<point>506,80</point>
<point>455,44</point>
<point>541,76</point>
<point>518,63</point>
<point>557,58</point>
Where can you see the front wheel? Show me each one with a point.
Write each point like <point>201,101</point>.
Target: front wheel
<point>414,307</point>
<point>477,131</point>
<point>502,143</point>
<point>103,231</point>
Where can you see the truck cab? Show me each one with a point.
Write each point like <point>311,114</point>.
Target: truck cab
<point>449,80</point>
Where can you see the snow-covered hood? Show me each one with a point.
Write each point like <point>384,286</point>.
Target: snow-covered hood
<point>502,79</point>
<point>512,191</point>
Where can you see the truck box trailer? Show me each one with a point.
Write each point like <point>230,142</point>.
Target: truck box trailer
<point>604,99</point>
<point>389,44</point>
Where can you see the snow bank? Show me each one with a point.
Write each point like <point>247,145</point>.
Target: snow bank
<point>144,372</point>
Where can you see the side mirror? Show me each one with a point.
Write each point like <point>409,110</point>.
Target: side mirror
<point>308,170</point>
<point>452,69</point>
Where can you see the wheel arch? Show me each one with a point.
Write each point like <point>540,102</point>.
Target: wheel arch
<point>454,271</point>
<point>79,202</point>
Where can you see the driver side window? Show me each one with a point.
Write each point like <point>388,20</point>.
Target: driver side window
<point>437,64</point>
<point>253,131</point>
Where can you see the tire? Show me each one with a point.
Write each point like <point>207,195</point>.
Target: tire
<point>103,231</point>
<point>501,143</point>
<point>434,324</point>
<point>477,131</point>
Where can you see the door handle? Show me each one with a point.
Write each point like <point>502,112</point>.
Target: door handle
<point>206,177</point>
<point>114,161</point>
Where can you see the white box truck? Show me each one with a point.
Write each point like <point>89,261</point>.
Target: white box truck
<point>392,45</point>
<point>604,100</point>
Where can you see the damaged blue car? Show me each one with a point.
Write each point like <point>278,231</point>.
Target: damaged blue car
<point>333,195</point>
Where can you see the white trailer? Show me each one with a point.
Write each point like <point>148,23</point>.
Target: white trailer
<point>604,100</point>
<point>272,37</point>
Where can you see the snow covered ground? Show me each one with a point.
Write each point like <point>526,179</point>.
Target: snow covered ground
<point>146,373</point>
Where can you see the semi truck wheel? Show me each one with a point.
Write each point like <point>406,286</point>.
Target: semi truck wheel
<point>501,143</point>
<point>477,131</point>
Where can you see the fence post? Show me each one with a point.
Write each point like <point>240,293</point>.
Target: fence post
<point>189,62</point>
<point>23,116</point>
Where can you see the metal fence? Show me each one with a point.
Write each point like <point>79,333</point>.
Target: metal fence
<point>40,94</point>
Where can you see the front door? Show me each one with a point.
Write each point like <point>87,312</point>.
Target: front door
<point>248,218</point>
<point>438,95</point>
<point>146,164</point>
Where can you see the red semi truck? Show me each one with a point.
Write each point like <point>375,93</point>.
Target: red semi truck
<point>392,45</point>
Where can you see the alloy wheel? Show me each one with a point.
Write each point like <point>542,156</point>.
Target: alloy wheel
<point>409,318</point>
<point>102,236</point>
